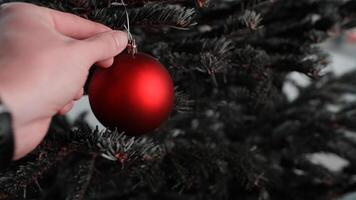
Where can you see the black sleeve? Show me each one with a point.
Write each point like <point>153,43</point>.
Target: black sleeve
<point>6,139</point>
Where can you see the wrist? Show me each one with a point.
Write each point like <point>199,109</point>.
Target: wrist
<point>30,123</point>
<point>26,133</point>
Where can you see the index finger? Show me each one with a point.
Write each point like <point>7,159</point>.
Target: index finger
<point>74,26</point>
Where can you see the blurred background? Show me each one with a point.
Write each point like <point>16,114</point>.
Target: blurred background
<point>341,49</point>
<point>342,57</point>
<point>342,54</point>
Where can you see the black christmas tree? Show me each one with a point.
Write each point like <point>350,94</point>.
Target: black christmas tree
<point>233,133</point>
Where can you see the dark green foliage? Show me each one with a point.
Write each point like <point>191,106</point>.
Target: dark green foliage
<point>234,134</point>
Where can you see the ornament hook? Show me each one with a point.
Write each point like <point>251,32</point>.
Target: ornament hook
<point>131,46</point>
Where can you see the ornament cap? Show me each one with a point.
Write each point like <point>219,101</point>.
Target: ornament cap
<point>132,47</point>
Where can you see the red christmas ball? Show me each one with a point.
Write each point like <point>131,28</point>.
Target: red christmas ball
<point>135,94</point>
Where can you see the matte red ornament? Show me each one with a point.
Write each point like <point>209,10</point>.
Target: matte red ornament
<point>135,94</point>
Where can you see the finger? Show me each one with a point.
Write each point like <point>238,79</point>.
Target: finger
<point>105,63</point>
<point>79,94</point>
<point>102,46</point>
<point>66,108</point>
<point>74,26</point>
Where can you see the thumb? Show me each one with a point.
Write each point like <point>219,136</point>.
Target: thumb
<point>102,46</point>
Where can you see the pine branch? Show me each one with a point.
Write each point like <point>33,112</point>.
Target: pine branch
<point>191,53</point>
<point>212,165</point>
<point>198,170</point>
<point>222,9</point>
<point>249,19</point>
<point>198,3</point>
<point>238,27</point>
<point>15,180</point>
<point>99,4</point>
<point>72,179</point>
<point>112,145</point>
<point>82,176</point>
<point>183,103</point>
<point>149,15</point>
<point>310,66</point>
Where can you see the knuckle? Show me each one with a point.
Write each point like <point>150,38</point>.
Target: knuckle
<point>101,28</point>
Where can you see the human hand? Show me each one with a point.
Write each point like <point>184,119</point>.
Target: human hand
<point>45,56</point>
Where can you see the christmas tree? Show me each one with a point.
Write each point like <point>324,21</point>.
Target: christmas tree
<point>233,133</point>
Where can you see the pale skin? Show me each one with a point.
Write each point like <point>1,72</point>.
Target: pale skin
<point>45,56</point>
